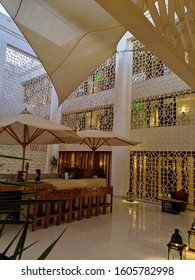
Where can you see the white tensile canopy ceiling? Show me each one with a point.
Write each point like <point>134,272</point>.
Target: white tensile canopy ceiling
<point>73,37</point>
<point>165,27</point>
<point>70,37</point>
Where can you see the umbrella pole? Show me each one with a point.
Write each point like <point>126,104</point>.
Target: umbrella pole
<point>23,156</point>
<point>93,162</point>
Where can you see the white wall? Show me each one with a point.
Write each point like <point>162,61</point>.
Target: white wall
<point>172,138</point>
<point>10,33</point>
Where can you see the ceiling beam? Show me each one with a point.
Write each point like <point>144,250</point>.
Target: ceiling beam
<point>132,18</point>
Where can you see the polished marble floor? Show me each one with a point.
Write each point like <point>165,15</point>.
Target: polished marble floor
<point>134,231</point>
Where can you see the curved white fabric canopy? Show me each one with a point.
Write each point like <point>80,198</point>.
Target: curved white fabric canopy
<point>70,37</point>
<point>73,37</point>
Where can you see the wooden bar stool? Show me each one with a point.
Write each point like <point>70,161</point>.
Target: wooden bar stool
<point>66,205</point>
<point>102,192</point>
<point>94,201</point>
<point>53,207</point>
<point>37,211</point>
<point>85,203</point>
<point>109,197</point>
<point>76,204</point>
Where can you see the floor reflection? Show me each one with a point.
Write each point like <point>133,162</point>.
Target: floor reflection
<point>134,231</point>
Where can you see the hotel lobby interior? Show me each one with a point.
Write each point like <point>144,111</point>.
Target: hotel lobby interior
<point>120,68</point>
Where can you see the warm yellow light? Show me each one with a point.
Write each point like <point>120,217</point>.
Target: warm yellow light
<point>184,109</point>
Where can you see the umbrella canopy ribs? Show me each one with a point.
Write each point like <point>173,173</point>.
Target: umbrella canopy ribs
<point>26,128</point>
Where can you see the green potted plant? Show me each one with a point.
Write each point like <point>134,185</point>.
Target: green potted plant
<point>53,163</point>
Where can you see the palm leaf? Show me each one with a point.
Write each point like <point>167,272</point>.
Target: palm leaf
<point>48,250</point>
<point>19,249</point>
<point>17,252</point>
<point>3,257</point>
<point>3,226</point>
<point>10,244</point>
<point>12,157</point>
<point>20,246</point>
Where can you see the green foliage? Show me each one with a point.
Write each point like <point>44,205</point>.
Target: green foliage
<point>10,203</point>
<point>53,161</point>
<point>20,238</point>
<point>12,157</point>
<point>48,250</point>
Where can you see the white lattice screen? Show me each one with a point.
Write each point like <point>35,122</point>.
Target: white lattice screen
<point>103,78</point>
<point>94,118</point>
<point>162,105</point>
<point>25,84</point>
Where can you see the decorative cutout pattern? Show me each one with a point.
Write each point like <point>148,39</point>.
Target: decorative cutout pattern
<point>24,78</point>
<point>94,118</point>
<point>160,100</point>
<point>146,65</point>
<point>103,78</point>
<point>37,93</point>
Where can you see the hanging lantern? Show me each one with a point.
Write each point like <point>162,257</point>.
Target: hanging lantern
<point>130,195</point>
<point>191,238</point>
<point>176,247</point>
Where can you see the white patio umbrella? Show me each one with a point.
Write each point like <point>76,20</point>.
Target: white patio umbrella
<point>94,139</point>
<point>26,128</point>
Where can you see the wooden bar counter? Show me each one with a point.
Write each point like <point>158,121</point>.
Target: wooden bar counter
<point>58,200</point>
<point>28,186</point>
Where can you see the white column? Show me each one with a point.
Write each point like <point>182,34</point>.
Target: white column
<point>55,115</point>
<point>122,110</point>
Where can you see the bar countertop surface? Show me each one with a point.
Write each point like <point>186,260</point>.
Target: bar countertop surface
<point>52,184</point>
